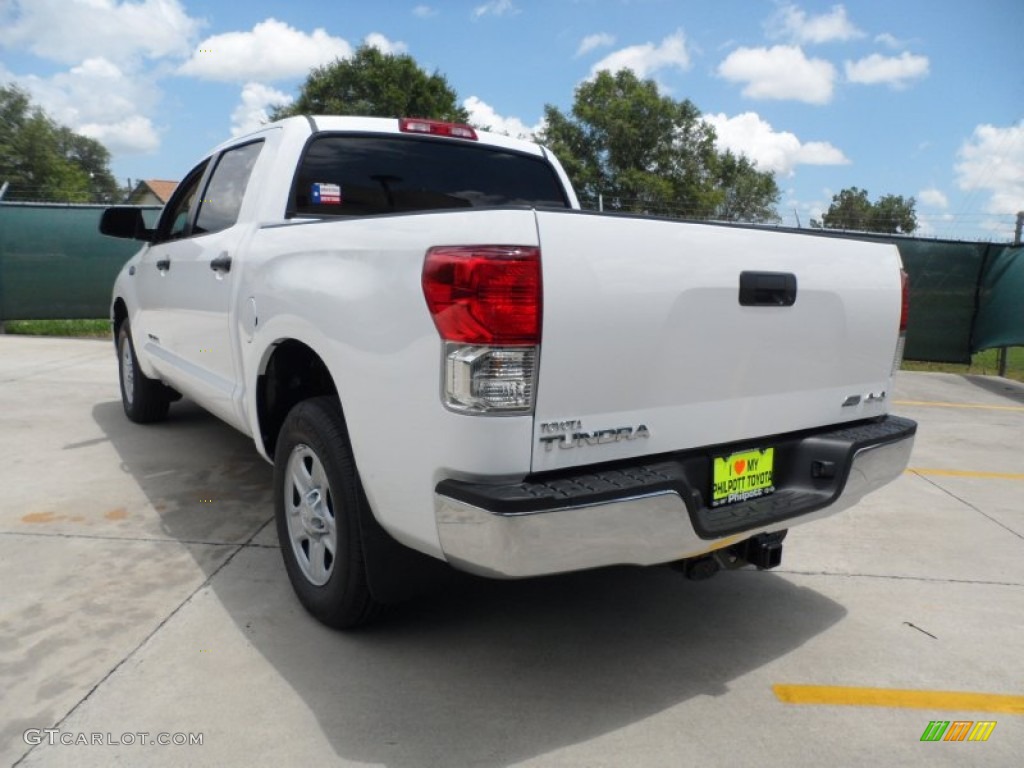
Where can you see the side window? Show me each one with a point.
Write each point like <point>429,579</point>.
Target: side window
<point>177,215</point>
<point>223,197</point>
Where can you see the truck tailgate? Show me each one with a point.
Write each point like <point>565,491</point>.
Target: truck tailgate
<point>646,347</point>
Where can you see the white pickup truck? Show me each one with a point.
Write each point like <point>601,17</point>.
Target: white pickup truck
<point>447,361</point>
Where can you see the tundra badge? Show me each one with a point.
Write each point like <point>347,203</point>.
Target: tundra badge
<point>556,433</point>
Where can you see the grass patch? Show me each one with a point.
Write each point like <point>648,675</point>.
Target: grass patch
<point>984,364</point>
<point>88,329</point>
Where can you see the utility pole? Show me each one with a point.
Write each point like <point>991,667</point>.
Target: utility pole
<point>1017,231</point>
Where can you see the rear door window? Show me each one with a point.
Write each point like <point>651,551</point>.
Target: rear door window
<point>351,175</point>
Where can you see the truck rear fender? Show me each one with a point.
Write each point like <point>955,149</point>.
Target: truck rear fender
<point>350,291</point>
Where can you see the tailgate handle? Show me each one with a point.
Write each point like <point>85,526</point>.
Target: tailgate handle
<point>767,289</point>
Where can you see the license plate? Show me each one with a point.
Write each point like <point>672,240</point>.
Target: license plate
<point>742,476</point>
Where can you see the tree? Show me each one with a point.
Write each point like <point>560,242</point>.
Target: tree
<point>45,161</point>
<point>642,151</point>
<point>94,159</point>
<point>749,194</point>
<point>895,214</point>
<point>375,84</point>
<point>851,209</point>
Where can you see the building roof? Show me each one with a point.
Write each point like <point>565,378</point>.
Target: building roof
<point>160,188</point>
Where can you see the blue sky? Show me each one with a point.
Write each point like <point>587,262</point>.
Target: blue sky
<point>909,97</point>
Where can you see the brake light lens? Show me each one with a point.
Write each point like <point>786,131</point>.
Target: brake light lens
<point>484,294</point>
<point>436,128</point>
<point>486,305</point>
<point>905,309</point>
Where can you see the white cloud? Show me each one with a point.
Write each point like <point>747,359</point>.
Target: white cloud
<point>793,24</point>
<point>272,51</point>
<point>382,44</point>
<point>251,112</point>
<point>69,31</point>
<point>777,151</point>
<point>992,161</point>
<point>101,100</point>
<point>496,8</point>
<point>590,42</point>
<point>424,11</point>
<point>648,58</point>
<point>890,41</point>
<point>934,198</point>
<point>481,113</point>
<point>780,72</point>
<point>132,135</point>
<point>895,71</point>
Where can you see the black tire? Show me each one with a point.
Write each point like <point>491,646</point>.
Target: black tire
<point>317,502</point>
<point>145,400</point>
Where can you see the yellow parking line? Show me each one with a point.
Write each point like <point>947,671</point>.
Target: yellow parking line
<point>965,473</point>
<point>931,404</point>
<point>893,697</point>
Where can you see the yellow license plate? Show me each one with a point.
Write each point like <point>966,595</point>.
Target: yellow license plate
<point>742,476</point>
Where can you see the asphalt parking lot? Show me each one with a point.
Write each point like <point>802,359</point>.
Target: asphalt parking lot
<point>142,592</point>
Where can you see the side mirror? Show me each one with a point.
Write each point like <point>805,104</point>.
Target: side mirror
<point>126,222</point>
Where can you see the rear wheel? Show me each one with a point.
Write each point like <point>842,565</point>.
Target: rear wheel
<point>145,400</point>
<point>318,501</point>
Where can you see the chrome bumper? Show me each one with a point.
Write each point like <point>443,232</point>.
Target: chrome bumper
<point>637,530</point>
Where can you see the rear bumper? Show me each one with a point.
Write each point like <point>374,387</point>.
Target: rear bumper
<point>650,512</point>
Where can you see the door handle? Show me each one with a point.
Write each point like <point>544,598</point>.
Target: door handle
<point>767,289</point>
<point>164,264</point>
<point>222,263</point>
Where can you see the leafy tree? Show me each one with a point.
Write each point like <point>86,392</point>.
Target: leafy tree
<point>895,214</point>
<point>749,194</point>
<point>851,209</point>
<point>45,161</point>
<point>94,159</point>
<point>643,151</point>
<point>375,84</point>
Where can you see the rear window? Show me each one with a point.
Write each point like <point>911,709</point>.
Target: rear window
<point>346,175</point>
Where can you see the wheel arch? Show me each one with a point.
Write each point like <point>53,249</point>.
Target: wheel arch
<point>118,314</point>
<point>291,371</point>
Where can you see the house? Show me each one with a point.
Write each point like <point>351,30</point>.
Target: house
<point>152,192</point>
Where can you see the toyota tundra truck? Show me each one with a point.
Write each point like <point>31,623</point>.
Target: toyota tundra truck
<point>447,361</point>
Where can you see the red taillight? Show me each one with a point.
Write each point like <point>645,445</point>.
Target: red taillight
<point>436,128</point>
<point>905,309</point>
<point>488,294</point>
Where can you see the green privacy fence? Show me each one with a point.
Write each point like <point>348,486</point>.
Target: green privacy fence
<point>965,296</point>
<point>54,263</point>
<point>1000,321</point>
<point>943,298</point>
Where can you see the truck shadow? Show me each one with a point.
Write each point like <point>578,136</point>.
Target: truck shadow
<point>1012,390</point>
<point>482,672</point>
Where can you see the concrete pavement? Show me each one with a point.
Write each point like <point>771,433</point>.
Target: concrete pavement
<point>141,591</point>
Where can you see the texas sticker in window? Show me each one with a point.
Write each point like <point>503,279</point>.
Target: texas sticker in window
<point>326,194</point>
